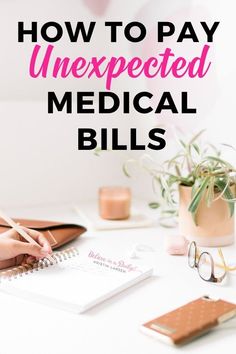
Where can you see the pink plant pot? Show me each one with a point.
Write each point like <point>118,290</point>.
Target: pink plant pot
<point>214,226</point>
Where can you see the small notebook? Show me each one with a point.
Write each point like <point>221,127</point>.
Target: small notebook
<point>76,282</point>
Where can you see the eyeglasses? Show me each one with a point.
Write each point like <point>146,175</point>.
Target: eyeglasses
<point>208,270</point>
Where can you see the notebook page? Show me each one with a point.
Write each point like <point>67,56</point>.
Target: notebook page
<point>80,280</point>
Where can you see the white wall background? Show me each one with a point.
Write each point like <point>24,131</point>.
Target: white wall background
<point>38,153</point>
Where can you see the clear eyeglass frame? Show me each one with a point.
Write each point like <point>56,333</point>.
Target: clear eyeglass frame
<point>197,259</point>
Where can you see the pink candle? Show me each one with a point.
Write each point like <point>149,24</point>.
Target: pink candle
<point>114,203</point>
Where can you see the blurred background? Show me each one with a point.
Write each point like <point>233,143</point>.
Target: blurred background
<point>39,160</point>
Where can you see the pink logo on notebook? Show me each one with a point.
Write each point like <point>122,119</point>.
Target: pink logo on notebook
<point>113,264</point>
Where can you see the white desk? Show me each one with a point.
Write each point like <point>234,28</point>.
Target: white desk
<point>113,327</point>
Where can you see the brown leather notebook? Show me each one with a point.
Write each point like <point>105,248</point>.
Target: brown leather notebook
<point>57,234</point>
<point>190,321</point>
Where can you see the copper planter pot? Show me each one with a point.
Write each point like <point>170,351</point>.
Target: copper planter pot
<point>215,226</point>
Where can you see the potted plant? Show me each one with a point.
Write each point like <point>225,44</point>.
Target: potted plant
<point>206,192</point>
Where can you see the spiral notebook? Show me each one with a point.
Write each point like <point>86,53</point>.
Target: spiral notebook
<point>76,281</point>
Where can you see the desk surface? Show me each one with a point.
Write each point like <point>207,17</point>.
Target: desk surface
<point>113,326</point>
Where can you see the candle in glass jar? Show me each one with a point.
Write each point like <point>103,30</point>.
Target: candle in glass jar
<point>114,203</point>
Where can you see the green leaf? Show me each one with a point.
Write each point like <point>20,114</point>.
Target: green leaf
<point>210,192</point>
<point>169,212</point>
<point>182,143</point>
<point>155,181</point>
<point>177,170</point>
<point>214,148</point>
<point>124,168</point>
<point>230,146</point>
<point>172,180</point>
<point>195,137</point>
<point>97,151</point>
<point>196,148</point>
<point>154,205</point>
<point>195,186</point>
<point>197,198</point>
<point>224,187</point>
<point>166,192</point>
<point>217,159</point>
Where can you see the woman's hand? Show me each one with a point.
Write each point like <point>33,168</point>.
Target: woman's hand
<point>14,251</point>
